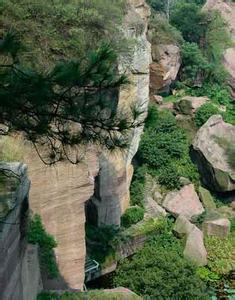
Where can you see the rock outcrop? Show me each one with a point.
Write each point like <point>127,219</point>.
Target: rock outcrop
<point>184,202</point>
<point>165,67</point>
<point>219,227</point>
<point>194,249</point>
<point>19,267</point>
<point>227,9</point>
<point>59,193</point>
<point>188,104</point>
<point>111,197</point>
<point>213,153</point>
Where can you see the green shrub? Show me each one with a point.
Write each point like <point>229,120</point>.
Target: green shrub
<point>164,149</point>
<point>193,63</point>
<point>102,242</point>
<point>137,189</point>
<point>161,32</point>
<point>132,216</point>
<point>221,253</point>
<point>37,234</point>
<point>208,276</point>
<point>159,271</point>
<point>169,177</point>
<point>204,112</point>
<point>54,30</point>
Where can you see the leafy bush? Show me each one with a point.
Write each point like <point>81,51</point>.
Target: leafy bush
<point>189,20</point>
<point>37,234</point>
<point>159,271</point>
<point>204,112</point>
<point>164,149</point>
<point>102,242</point>
<point>132,216</point>
<point>54,30</point>
<point>221,253</point>
<point>193,63</point>
<point>169,177</point>
<point>137,189</point>
<point>206,275</point>
<point>161,32</point>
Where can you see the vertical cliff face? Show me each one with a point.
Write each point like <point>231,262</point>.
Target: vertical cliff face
<point>19,267</point>
<point>112,190</point>
<point>59,193</point>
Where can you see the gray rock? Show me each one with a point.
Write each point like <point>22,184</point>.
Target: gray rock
<point>188,104</point>
<point>219,227</point>
<point>182,226</point>
<point>213,151</point>
<point>206,198</point>
<point>153,209</point>
<point>195,250</point>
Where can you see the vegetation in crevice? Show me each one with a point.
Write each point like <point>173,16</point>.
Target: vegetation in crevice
<point>36,234</point>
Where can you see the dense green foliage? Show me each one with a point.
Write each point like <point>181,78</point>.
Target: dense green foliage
<point>37,234</point>
<point>159,271</point>
<point>62,29</point>
<point>221,253</point>
<point>204,112</point>
<point>74,104</point>
<point>164,149</point>
<point>132,216</point>
<point>102,242</point>
<point>137,189</point>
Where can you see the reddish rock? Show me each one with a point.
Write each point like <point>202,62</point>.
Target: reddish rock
<point>184,202</point>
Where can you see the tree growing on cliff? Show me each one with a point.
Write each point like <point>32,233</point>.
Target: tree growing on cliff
<point>72,105</point>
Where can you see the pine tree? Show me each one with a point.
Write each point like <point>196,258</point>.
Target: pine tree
<point>74,104</point>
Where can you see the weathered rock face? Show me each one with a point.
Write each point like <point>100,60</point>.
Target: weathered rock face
<point>184,202</point>
<point>111,197</point>
<point>227,9</point>
<point>165,67</point>
<point>59,193</point>
<point>194,249</point>
<point>182,226</point>
<point>212,155</point>
<point>19,267</point>
<point>219,227</point>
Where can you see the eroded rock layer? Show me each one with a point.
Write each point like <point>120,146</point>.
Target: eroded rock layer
<point>59,193</point>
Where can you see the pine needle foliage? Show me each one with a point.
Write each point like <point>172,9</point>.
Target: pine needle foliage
<point>75,103</point>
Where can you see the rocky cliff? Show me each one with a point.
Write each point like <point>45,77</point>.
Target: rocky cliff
<point>19,267</point>
<point>59,193</point>
<point>227,9</point>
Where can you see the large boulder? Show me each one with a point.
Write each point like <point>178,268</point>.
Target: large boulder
<point>195,250</point>
<point>219,227</point>
<point>188,104</point>
<point>206,198</point>
<point>165,67</point>
<point>183,202</point>
<point>213,153</point>
<point>153,209</point>
<point>182,227</point>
